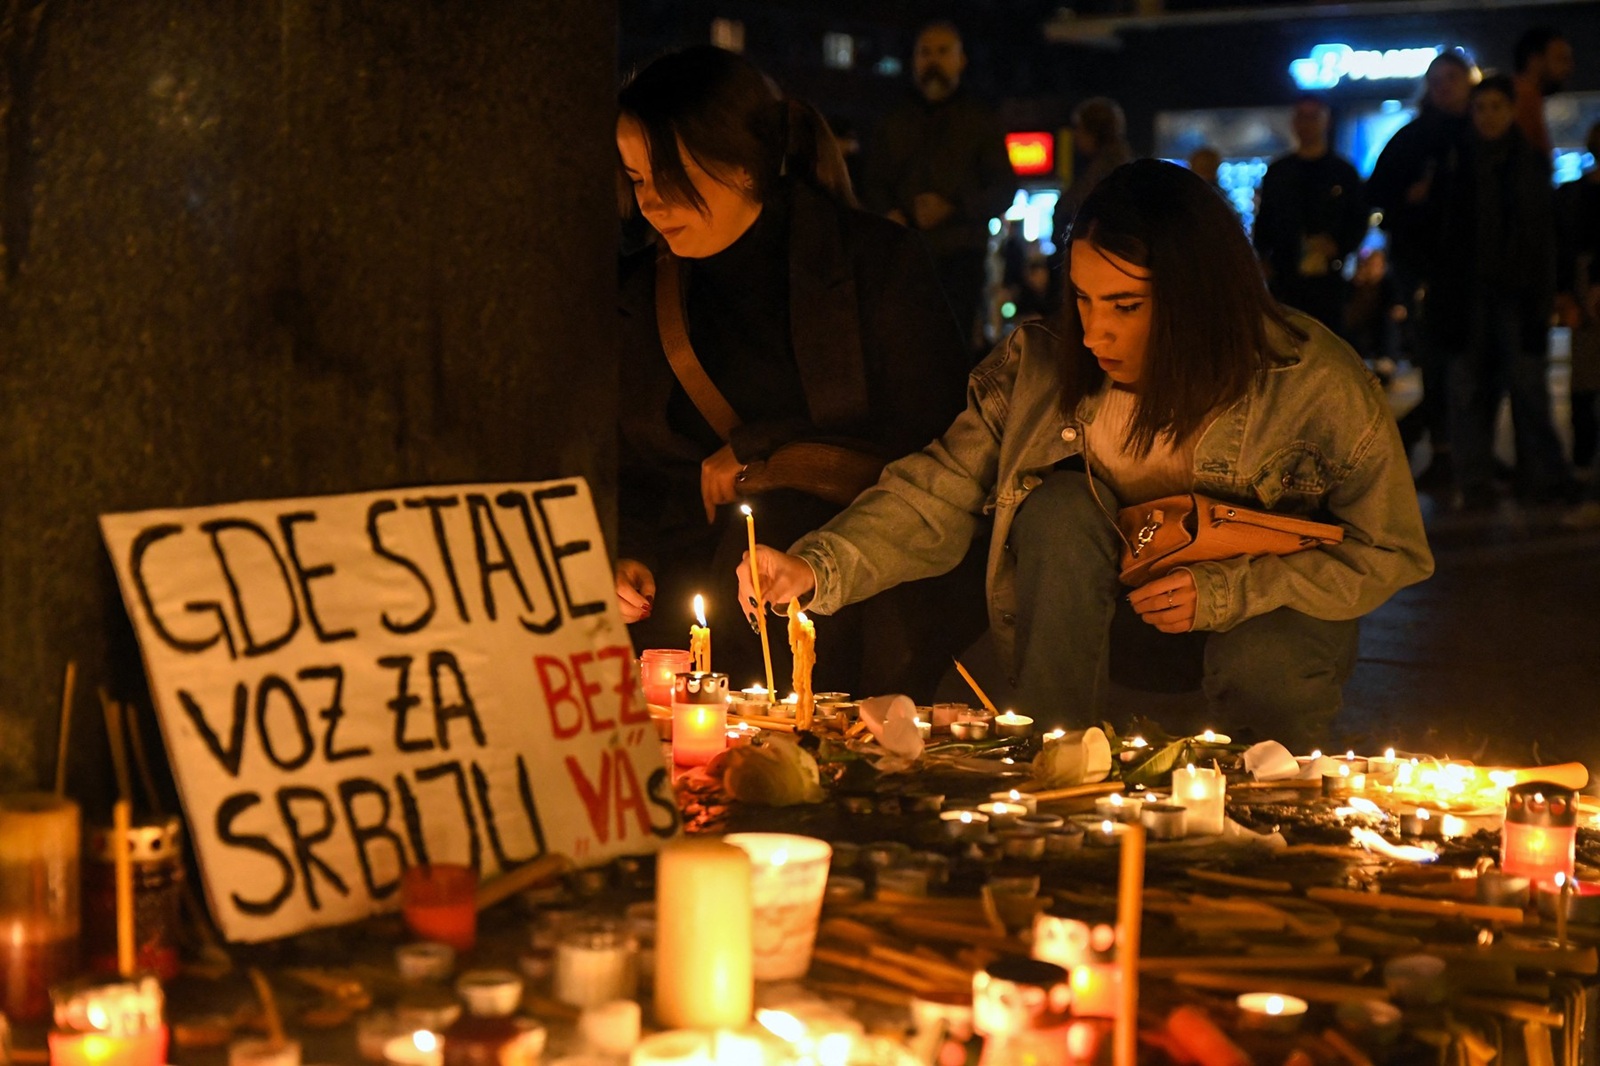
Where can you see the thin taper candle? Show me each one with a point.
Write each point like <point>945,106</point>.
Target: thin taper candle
<point>983,697</point>
<point>122,858</point>
<point>755,589</point>
<point>1130,902</point>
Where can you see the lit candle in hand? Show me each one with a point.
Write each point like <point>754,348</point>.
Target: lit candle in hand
<point>700,638</point>
<point>755,589</point>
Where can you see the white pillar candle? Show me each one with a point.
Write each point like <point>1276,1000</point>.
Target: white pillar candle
<point>703,936</point>
<point>1201,790</point>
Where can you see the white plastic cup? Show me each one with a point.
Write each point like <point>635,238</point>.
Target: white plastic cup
<point>788,875</point>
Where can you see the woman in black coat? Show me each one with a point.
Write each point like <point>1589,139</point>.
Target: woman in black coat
<point>815,321</point>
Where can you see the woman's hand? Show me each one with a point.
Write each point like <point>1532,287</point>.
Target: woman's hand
<point>718,475</point>
<point>636,590</point>
<point>1168,602</point>
<point>783,578</point>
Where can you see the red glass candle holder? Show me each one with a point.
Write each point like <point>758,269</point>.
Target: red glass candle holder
<point>699,718</point>
<point>658,671</point>
<point>437,903</point>
<point>1541,832</point>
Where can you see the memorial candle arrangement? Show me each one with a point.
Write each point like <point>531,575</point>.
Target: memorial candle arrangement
<point>115,1023</point>
<point>1202,791</point>
<point>700,638</point>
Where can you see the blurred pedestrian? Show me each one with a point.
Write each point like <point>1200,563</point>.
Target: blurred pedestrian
<point>1402,188</point>
<point>1543,62</point>
<point>1374,313</point>
<point>1578,302</point>
<point>778,345</point>
<point>1311,217</point>
<point>1099,145</point>
<point>1495,286</point>
<point>939,165</point>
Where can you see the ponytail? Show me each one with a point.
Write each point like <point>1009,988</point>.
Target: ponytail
<point>811,152</point>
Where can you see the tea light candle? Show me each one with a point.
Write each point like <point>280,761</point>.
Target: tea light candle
<point>964,825</point>
<point>1415,979</point>
<point>256,1052</point>
<point>1418,823</point>
<point>1164,821</point>
<point>700,638</point>
<point>1337,784</point>
<point>1357,764</point>
<point>1011,724</point>
<point>906,880</point>
<point>970,729</point>
<point>753,700</point>
<point>945,713</point>
<point>1202,791</point>
<point>1499,889</point>
<point>1119,808</point>
<point>924,729</point>
<point>1021,843</point>
<point>741,734</point>
<point>1212,737</point>
<point>699,718</point>
<point>1041,823</point>
<point>1101,834</point>
<point>149,1048</point>
<point>1383,766</point>
<point>1002,813</point>
<point>421,1048</point>
<point>1271,1012</point>
<point>1063,841</point>
<point>1025,799</point>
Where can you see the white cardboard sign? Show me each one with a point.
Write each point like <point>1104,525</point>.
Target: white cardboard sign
<point>348,685</point>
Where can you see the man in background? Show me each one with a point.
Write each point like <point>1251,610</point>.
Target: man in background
<point>1543,61</point>
<point>1311,217</point>
<point>939,165</point>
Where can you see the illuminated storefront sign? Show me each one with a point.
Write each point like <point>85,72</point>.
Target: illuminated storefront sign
<point>1032,154</point>
<point>1329,64</point>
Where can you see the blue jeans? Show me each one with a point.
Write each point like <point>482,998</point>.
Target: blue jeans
<point>1281,673</point>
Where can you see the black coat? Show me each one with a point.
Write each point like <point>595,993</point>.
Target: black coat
<point>1431,147</point>
<point>880,365</point>
<point>1496,238</point>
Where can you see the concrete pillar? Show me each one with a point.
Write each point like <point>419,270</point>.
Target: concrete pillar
<point>262,250</point>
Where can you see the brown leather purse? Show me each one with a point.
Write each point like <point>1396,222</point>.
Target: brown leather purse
<point>1174,531</point>
<point>833,472</point>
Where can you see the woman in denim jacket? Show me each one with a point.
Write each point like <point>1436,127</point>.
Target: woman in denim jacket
<point>1173,370</point>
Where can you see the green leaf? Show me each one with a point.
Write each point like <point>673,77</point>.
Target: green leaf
<point>1157,769</point>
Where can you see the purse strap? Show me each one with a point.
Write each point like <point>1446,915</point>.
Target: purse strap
<point>703,392</point>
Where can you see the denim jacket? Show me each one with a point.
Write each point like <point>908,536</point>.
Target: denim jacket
<point>1317,439</point>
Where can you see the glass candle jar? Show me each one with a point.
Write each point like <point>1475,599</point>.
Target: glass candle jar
<point>1539,839</point>
<point>596,962</point>
<point>658,670</point>
<point>699,718</point>
<point>39,885</point>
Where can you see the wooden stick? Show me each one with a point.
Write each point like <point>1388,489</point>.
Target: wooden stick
<point>1438,908</point>
<point>991,915</point>
<point>69,687</point>
<point>1584,962</point>
<point>942,968</point>
<point>119,754</point>
<point>952,932</point>
<point>544,868</point>
<point>883,971</point>
<point>983,697</point>
<point>269,1008</point>
<point>1273,786</point>
<point>1130,910</point>
<point>1515,1009</point>
<point>1355,965</point>
<point>1101,788</point>
<point>1345,1049</point>
<point>777,725</point>
<point>1314,991</point>
<point>1282,888</point>
<point>850,931</point>
<point>871,993</point>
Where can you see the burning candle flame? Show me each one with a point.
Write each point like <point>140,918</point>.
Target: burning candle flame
<point>782,1025</point>
<point>425,1041</point>
<point>744,509</point>
<point>700,609</point>
<point>1274,1004</point>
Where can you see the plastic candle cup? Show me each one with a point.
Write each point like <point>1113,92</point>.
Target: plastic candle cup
<point>1540,834</point>
<point>788,875</point>
<point>1096,988</point>
<point>1202,791</point>
<point>437,903</point>
<point>699,718</point>
<point>1164,821</point>
<point>1118,807</point>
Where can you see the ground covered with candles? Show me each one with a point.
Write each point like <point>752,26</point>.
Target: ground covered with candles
<point>874,890</point>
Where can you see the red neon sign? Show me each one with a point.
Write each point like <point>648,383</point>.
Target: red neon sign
<point>1032,154</point>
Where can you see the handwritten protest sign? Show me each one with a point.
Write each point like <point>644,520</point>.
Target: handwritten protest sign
<point>348,685</point>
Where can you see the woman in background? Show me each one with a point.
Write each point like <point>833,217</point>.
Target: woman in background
<point>812,322</point>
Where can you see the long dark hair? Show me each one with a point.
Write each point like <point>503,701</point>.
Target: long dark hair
<point>1211,310</point>
<point>729,115</point>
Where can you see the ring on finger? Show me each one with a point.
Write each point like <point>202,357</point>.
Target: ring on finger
<point>1170,594</point>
